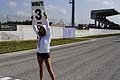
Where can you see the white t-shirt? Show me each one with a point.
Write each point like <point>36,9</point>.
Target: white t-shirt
<point>43,45</point>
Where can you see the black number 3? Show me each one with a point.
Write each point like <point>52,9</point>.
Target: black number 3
<point>39,15</point>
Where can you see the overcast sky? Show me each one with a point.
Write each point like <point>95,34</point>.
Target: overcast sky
<point>60,9</point>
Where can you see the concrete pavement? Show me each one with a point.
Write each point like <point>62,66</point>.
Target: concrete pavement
<point>92,60</point>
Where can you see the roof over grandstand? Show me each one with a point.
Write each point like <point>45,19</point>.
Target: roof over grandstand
<point>105,12</point>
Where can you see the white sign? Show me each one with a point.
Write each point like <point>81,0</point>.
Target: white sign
<point>68,32</point>
<point>37,11</point>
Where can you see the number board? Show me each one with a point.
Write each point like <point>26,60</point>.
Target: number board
<point>37,12</point>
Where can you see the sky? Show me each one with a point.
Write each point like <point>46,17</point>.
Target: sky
<point>61,9</point>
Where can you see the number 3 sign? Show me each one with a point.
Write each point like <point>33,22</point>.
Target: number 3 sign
<point>37,11</point>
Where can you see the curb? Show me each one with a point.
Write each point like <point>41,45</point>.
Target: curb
<point>32,51</point>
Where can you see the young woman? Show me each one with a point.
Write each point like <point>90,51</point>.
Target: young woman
<point>43,48</point>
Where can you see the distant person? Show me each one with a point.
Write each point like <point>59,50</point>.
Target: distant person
<point>43,33</point>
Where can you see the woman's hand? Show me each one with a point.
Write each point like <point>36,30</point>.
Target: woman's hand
<point>45,15</point>
<point>32,17</point>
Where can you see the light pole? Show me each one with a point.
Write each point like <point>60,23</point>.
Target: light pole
<point>73,12</point>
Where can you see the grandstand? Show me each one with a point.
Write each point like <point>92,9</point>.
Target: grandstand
<point>101,21</point>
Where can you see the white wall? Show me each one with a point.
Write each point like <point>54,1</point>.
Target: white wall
<point>90,32</point>
<point>57,32</point>
<point>25,32</point>
<point>12,35</point>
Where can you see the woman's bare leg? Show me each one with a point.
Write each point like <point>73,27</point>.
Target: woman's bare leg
<point>49,68</point>
<point>41,67</point>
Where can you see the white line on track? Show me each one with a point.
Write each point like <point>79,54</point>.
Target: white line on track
<point>7,78</point>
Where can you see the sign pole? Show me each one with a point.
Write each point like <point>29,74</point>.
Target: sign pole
<point>73,13</point>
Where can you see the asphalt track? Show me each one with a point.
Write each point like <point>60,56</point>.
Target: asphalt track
<point>93,60</point>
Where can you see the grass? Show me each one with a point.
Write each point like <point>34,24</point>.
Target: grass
<point>13,46</point>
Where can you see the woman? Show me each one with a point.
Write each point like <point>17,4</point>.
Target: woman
<point>43,48</point>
